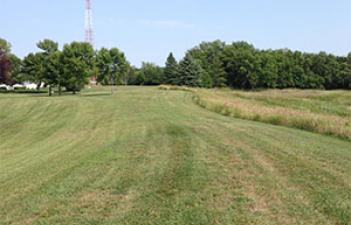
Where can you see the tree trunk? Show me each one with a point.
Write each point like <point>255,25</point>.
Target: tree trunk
<point>59,89</point>
<point>50,90</point>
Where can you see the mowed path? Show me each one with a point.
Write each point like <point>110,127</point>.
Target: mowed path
<point>146,156</point>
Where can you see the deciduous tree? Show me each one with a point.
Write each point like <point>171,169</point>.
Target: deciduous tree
<point>151,74</point>
<point>5,62</point>
<point>77,61</point>
<point>112,66</point>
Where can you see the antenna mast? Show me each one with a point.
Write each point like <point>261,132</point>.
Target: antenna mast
<point>89,33</point>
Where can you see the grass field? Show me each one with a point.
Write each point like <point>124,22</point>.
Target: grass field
<point>149,156</point>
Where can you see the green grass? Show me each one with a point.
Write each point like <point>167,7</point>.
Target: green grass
<point>147,156</point>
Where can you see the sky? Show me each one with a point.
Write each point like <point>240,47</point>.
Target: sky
<point>149,30</point>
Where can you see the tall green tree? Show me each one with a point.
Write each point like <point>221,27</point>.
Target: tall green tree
<point>190,71</point>
<point>171,71</point>
<point>5,62</point>
<point>132,76</point>
<point>77,60</point>
<point>267,70</point>
<point>209,55</point>
<point>51,64</point>
<point>5,47</point>
<point>241,65</point>
<point>151,74</point>
<point>112,66</point>
<point>16,66</point>
<point>346,73</point>
<point>285,65</point>
<point>33,68</point>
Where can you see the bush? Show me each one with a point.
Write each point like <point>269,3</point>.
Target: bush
<point>3,89</point>
<point>20,88</point>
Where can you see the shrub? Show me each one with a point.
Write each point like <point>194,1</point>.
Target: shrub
<point>20,88</point>
<point>3,89</point>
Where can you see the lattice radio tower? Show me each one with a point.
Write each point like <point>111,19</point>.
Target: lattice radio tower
<point>89,33</point>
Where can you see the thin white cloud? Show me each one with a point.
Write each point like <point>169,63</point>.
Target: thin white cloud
<point>166,23</point>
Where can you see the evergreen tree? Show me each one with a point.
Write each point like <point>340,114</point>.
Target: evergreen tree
<point>171,71</point>
<point>190,72</point>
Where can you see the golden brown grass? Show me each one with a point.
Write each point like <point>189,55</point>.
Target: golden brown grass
<point>325,112</point>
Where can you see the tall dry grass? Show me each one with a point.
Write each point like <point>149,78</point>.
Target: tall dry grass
<point>244,105</point>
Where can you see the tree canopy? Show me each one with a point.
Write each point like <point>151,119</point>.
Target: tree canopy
<point>241,65</point>
<point>210,64</point>
<point>151,74</point>
<point>112,66</point>
<point>77,62</point>
<point>5,62</point>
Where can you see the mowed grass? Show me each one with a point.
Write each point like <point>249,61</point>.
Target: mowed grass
<point>325,112</point>
<point>145,156</point>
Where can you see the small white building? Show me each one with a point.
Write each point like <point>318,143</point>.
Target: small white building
<point>18,86</point>
<point>26,85</point>
<point>30,86</point>
<point>7,87</point>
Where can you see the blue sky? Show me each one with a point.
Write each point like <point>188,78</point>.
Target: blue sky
<point>149,30</point>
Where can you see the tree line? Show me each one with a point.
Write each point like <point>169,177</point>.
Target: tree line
<point>209,65</point>
<point>241,65</point>
<point>67,69</point>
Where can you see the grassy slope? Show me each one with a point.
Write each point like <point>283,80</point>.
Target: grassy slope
<point>326,112</point>
<point>144,156</point>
